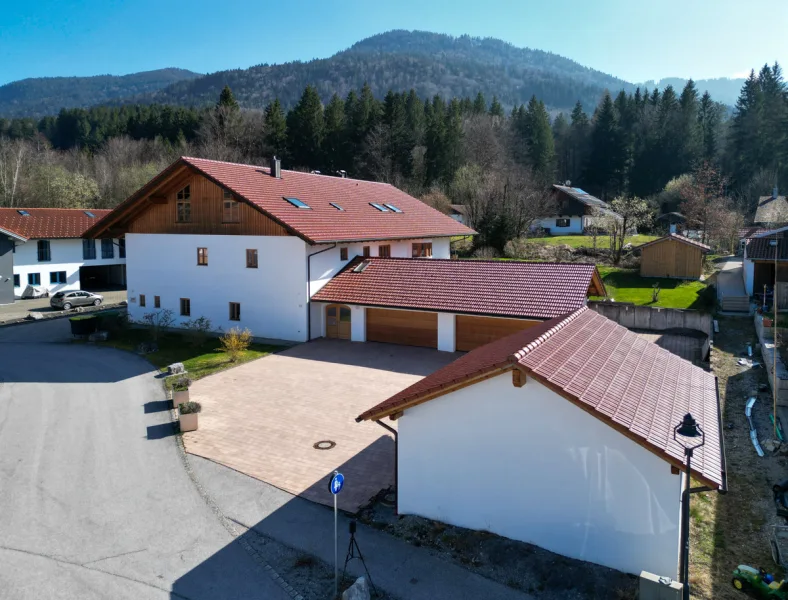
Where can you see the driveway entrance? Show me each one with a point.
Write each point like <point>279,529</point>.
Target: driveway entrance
<point>289,418</point>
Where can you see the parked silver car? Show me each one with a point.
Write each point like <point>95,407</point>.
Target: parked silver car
<point>67,300</point>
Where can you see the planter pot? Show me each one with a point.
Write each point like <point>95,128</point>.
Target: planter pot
<point>179,398</point>
<point>767,322</point>
<point>81,326</point>
<point>188,422</point>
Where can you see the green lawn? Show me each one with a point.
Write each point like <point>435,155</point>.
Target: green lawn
<point>200,361</point>
<point>586,241</point>
<point>626,285</point>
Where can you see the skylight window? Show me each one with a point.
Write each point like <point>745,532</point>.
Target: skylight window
<point>337,206</point>
<point>297,203</point>
<point>361,267</point>
<point>90,214</point>
<point>380,207</point>
<point>393,208</point>
<point>24,213</point>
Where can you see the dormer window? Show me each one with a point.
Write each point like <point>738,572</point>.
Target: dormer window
<point>183,205</point>
<point>380,207</point>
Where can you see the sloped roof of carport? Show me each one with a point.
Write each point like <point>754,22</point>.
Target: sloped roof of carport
<point>49,223</point>
<point>633,385</point>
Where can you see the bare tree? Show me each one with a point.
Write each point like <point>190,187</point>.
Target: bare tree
<point>12,156</point>
<point>631,213</point>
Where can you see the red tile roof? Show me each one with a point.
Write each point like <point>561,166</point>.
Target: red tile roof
<point>678,238</point>
<point>751,232</point>
<point>506,288</point>
<point>323,222</point>
<point>633,385</point>
<point>49,223</point>
<point>760,248</point>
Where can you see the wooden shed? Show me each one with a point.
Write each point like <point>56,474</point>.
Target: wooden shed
<point>672,256</point>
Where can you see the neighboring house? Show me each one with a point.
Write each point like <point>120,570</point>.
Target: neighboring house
<point>248,246</point>
<point>560,435</point>
<point>672,255</point>
<point>449,304</point>
<point>576,211</point>
<point>761,253</point>
<point>48,251</point>
<point>673,221</point>
<point>746,233</point>
<point>459,213</point>
<point>772,210</point>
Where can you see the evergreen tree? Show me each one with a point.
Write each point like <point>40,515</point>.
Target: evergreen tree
<point>496,110</point>
<point>305,129</point>
<point>435,157</point>
<point>605,169</point>
<point>708,123</point>
<point>334,146</point>
<point>227,99</point>
<point>275,127</point>
<point>479,105</point>
<point>539,139</point>
<point>562,136</point>
<point>747,130</point>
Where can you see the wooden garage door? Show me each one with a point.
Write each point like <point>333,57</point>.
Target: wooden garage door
<point>407,327</point>
<point>473,332</point>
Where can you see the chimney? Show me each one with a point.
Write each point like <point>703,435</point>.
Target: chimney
<point>775,192</point>
<point>276,168</point>
<point>342,173</point>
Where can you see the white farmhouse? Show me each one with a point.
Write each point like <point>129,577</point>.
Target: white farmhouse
<point>575,212</point>
<point>560,435</point>
<point>48,251</point>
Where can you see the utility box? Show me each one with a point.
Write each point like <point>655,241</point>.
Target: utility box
<point>654,587</point>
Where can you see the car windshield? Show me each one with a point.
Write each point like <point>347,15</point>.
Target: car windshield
<point>59,295</point>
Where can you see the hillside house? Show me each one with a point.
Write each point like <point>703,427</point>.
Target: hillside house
<point>560,435</point>
<point>772,211</point>
<point>672,255</point>
<point>763,252</point>
<point>575,212</point>
<point>295,256</point>
<point>43,248</point>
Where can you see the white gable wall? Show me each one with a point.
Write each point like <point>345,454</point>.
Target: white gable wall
<point>527,464</point>
<point>575,225</point>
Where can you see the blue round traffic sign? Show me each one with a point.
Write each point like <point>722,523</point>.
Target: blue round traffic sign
<point>337,483</point>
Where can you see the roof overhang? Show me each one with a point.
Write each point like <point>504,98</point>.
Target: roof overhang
<point>13,235</point>
<point>676,238</point>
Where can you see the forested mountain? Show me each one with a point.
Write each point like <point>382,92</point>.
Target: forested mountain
<point>428,63</point>
<point>722,89</point>
<point>39,96</point>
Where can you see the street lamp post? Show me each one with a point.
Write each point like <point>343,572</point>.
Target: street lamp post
<point>687,430</point>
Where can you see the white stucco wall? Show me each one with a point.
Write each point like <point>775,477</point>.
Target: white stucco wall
<point>272,296</point>
<point>358,324</point>
<point>447,332</point>
<point>575,225</point>
<point>327,264</point>
<point>527,464</point>
<point>66,255</point>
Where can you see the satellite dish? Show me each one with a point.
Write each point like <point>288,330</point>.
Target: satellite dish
<point>568,183</point>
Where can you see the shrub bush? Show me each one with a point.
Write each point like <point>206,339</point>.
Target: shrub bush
<point>189,408</point>
<point>235,342</point>
<point>181,384</point>
<point>197,330</point>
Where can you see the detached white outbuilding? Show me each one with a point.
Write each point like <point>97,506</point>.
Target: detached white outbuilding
<point>560,436</point>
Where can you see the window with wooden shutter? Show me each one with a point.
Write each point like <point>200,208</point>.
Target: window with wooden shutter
<point>343,254</point>
<point>251,259</point>
<point>422,249</point>
<point>202,257</point>
<point>186,307</point>
<point>235,311</point>
<point>384,251</point>
<point>183,205</point>
<point>366,251</point>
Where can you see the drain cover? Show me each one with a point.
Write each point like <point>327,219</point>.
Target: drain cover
<point>324,445</point>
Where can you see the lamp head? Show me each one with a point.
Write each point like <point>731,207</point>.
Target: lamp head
<point>688,427</point>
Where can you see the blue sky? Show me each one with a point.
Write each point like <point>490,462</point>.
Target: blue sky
<point>632,39</point>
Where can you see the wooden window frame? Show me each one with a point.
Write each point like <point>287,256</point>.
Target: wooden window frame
<point>142,300</point>
<point>343,254</point>
<point>183,205</point>
<point>366,252</point>
<point>251,253</point>
<point>157,302</point>
<point>421,250</point>
<point>235,315</point>
<point>187,303</point>
<point>202,257</point>
<point>231,210</point>
<point>384,251</point>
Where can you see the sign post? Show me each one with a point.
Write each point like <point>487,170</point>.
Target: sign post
<point>335,485</point>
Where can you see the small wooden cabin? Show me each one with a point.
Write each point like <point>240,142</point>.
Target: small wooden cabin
<point>672,255</point>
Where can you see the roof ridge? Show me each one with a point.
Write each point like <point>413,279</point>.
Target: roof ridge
<point>531,346</point>
<point>18,208</point>
<point>482,260</point>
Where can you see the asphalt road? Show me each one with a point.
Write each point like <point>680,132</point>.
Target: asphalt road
<point>94,500</point>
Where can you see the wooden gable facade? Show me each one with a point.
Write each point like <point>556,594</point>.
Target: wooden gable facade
<point>668,257</point>
<point>158,212</point>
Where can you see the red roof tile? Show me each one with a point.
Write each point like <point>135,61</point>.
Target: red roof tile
<point>751,232</point>
<point>506,288</point>
<point>627,382</point>
<point>760,248</point>
<point>49,223</point>
<point>678,238</point>
<point>322,222</point>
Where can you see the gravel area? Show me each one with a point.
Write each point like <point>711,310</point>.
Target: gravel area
<point>521,566</point>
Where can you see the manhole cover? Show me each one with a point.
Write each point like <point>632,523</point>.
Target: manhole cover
<point>324,445</point>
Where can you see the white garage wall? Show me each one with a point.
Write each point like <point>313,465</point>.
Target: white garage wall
<point>327,264</point>
<point>66,256</point>
<point>575,226</point>
<point>528,464</point>
<point>273,296</point>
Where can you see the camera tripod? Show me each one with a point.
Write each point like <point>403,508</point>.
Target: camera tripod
<point>353,552</point>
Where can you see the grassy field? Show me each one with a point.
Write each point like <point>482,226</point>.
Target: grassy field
<point>199,360</point>
<point>586,241</point>
<point>625,285</point>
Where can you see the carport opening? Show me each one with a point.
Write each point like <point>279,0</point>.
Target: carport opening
<point>102,277</point>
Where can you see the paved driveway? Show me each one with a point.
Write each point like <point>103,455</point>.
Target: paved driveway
<point>730,279</point>
<point>21,308</point>
<point>264,417</point>
<point>91,507</point>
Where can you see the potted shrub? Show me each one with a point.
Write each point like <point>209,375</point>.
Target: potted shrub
<point>83,326</point>
<point>180,390</point>
<point>187,415</point>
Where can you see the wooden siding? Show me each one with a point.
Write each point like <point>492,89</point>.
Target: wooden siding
<point>406,327</point>
<point>206,213</point>
<point>472,332</point>
<point>671,258</point>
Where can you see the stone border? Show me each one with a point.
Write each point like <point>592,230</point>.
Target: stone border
<point>63,314</point>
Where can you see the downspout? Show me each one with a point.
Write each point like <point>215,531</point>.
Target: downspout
<point>309,290</point>
<point>396,463</point>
